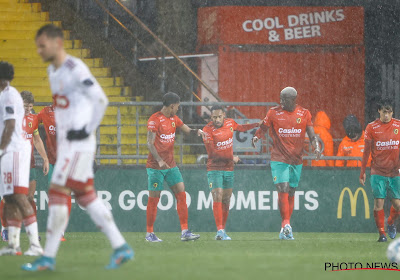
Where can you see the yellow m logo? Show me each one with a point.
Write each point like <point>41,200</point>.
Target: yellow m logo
<point>353,202</point>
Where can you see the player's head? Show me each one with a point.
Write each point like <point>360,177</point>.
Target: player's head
<point>217,115</point>
<point>28,99</point>
<point>352,127</point>
<point>385,109</point>
<point>49,42</point>
<point>6,74</point>
<point>288,99</point>
<point>171,102</point>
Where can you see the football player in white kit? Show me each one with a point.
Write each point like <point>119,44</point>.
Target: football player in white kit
<point>15,154</point>
<point>80,104</point>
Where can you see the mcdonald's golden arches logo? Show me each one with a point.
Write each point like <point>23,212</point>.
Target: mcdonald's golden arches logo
<point>353,202</point>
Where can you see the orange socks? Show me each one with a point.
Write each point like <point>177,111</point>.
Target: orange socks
<point>380,220</point>
<point>291,205</point>
<point>283,199</point>
<point>217,209</point>
<point>151,213</point>
<point>393,215</point>
<point>225,214</point>
<point>182,209</point>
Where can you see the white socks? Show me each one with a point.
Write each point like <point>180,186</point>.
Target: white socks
<point>13,236</point>
<point>56,225</point>
<point>33,235</point>
<point>104,220</point>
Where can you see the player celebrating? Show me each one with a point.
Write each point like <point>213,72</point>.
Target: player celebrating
<point>382,140</point>
<point>80,105</point>
<point>46,116</point>
<point>161,164</point>
<point>15,153</point>
<point>288,125</point>
<point>219,145</point>
<point>31,129</point>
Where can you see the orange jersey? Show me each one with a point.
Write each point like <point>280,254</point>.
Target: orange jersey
<point>46,116</point>
<point>349,148</point>
<point>165,129</point>
<point>219,144</point>
<point>288,130</point>
<point>30,127</point>
<point>385,141</point>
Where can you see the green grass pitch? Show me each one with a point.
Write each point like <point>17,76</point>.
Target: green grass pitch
<point>253,255</point>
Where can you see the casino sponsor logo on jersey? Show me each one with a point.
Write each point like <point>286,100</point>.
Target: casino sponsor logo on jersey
<point>387,145</point>
<point>167,138</point>
<point>28,135</point>
<point>223,145</point>
<point>289,132</point>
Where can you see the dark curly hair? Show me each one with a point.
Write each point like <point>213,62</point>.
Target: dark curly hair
<point>6,71</point>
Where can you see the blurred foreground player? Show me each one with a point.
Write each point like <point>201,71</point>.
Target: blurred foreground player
<point>288,124</point>
<point>161,128</point>
<point>219,144</point>
<point>382,141</point>
<point>15,154</point>
<point>80,105</point>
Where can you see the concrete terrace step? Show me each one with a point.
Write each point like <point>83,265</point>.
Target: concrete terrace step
<point>29,44</point>
<point>37,62</point>
<point>24,16</point>
<point>23,34</point>
<point>109,91</point>
<point>43,82</point>
<point>41,72</point>
<point>19,7</point>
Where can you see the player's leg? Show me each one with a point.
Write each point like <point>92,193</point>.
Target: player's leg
<point>4,227</point>
<point>14,219</point>
<point>394,190</point>
<point>215,180</point>
<point>155,180</point>
<point>294,179</point>
<point>280,175</point>
<point>32,189</point>
<point>378,184</point>
<point>228,181</point>
<point>175,181</point>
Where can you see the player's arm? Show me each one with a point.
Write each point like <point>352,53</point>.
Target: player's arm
<point>364,162</point>
<point>38,143</point>
<point>95,93</point>
<point>260,132</point>
<point>9,126</point>
<point>151,137</point>
<point>314,141</point>
<point>245,127</point>
<point>187,130</point>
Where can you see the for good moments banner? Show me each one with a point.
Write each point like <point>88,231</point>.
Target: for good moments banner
<point>327,200</point>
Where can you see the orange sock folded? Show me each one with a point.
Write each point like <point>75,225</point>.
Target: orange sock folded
<point>380,220</point>
<point>217,209</point>
<point>283,199</point>
<point>225,214</point>
<point>151,212</point>
<point>182,209</point>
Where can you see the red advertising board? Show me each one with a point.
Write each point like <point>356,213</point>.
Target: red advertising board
<point>281,25</point>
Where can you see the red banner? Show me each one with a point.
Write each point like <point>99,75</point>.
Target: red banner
<point>281,25</point>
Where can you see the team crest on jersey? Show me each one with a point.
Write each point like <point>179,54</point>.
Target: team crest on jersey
<point>396,131</point>
<point>173,124</point>
<point>210,185</point>
<point>155,185</point>
<point>231,129</point>
<point>298,120</point>
<point>30,124</point>
<point>275,179</point>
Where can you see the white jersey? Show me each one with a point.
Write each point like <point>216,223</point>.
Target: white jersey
<point>12,107</point>
<point>79,102</point>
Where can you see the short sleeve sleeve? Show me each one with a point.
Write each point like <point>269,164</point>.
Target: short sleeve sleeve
<point>267,120</point>
<point>178,122</point>
<point>152,124</point>
<point>207,131</point>
<point>9,108</point>
<point>367,133</point>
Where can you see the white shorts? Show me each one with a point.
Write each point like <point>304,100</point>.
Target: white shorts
<point>15,168</point>
<point>73,169</point>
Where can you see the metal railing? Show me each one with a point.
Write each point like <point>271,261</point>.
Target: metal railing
<point>139,120</point>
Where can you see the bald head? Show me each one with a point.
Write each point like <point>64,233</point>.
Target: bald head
<point>289,92</point>
<point>288,99</point>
